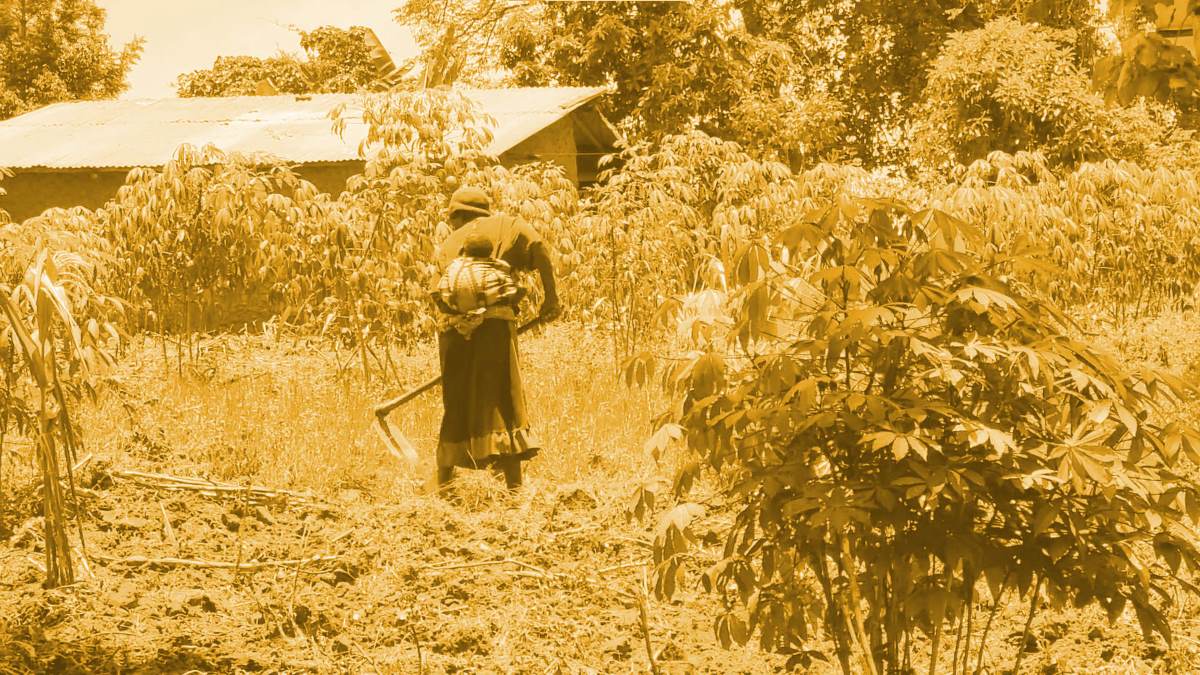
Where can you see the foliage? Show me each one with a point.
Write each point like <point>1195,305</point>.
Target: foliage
<point>873,57</point>
<point>676,66</point>
<point>457,39</point>
<point>658,226</point>
<point>203,230</point>
<point>339,61</point>
<point>894,418</point>
<point>1148,64</point>
<point>721,66</point>
<point>1012,86</point>
<point>672,63</point>
<point>786,127</point>
<point>56,50</point>
<point>1120,237</point>
<point>55,342</point>
<point>240,76</point>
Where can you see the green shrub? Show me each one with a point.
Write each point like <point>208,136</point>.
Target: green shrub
<point>1012,86</point>
<point>895,420</point>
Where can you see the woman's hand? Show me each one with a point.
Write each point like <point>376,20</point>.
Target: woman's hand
<point>550,310</point>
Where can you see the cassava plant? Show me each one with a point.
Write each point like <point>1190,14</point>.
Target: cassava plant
<point>659,222</point>
<point>1118,236</point>
<point>206,230</point>
<point>902,428</point>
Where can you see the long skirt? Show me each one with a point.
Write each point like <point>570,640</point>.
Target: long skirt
<point>482,397</point>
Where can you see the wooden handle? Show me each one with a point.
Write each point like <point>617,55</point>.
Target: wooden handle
<point>386,407</point>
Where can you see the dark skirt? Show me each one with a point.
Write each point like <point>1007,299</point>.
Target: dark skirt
<point>482,398</point>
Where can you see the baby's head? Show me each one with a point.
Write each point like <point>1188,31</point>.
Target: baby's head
<point>477,246</point>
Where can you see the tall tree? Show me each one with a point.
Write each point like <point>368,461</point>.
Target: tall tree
<point>1013,86</point>
<point>874,55</point>
<point>673,65</point>
<point>57,50</point>
<point>675,62</point>
<point>459,39</point>
<point>336,60</point>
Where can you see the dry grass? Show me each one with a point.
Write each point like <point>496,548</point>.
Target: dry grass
<point>278,413</point>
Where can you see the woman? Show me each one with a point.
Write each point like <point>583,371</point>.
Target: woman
<point>484,422</point>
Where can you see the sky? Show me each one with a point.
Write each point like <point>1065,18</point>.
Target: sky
<point>183,35</point>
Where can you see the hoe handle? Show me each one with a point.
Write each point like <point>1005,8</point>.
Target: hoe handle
<point>386,407</point>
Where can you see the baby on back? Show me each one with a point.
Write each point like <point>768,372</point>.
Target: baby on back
<point>476,286</point>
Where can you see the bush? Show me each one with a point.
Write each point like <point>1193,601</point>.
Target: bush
<point>1012,86</point>
<point>203,232</point>
<point>894,419</point>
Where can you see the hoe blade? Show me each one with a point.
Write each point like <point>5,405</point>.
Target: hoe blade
<point>395,440</point>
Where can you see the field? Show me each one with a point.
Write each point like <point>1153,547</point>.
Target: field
<point>548,579</point>
<point>877,346</point>
<point>384,576</point>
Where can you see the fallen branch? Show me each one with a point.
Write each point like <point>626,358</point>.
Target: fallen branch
<point>490,563</point>
<point>37,484</point>
<point>254,494</point>
<point>625,566</point>
<point>140,561</point>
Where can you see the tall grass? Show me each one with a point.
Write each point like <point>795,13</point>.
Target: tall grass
<point>262,410</point>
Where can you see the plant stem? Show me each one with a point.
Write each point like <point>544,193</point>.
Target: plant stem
<point>58,551</point>
<point>937,640</point>
<point>939,620</point>
<point>1033,598</point>
<point>970,582</point>
<point>644,614</point>
<point>7,409</point>
<point>848,563</point>
<point>71,445</point>
<point>840,639</point>
<point>987,627</point>
<point>958,638</point>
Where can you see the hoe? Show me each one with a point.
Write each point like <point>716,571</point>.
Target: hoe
<point>394,439</point>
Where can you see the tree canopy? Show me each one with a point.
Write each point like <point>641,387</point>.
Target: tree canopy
<point>57,50</point>
<point>673,64</point>
<point>336,60</point>
<point>809,80</point>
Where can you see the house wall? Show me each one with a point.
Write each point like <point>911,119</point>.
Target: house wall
<point>330,177</point>
<point>32,192</point>
<point>555,143</point>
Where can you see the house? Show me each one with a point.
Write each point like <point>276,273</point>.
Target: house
<point>77,153</point>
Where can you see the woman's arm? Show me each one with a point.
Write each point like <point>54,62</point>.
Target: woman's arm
<point>539,255</point>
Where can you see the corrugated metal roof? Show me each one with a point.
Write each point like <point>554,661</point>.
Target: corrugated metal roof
<point>129,133</point>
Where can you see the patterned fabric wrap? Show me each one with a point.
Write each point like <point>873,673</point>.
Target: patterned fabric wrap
<point>474,289</point>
